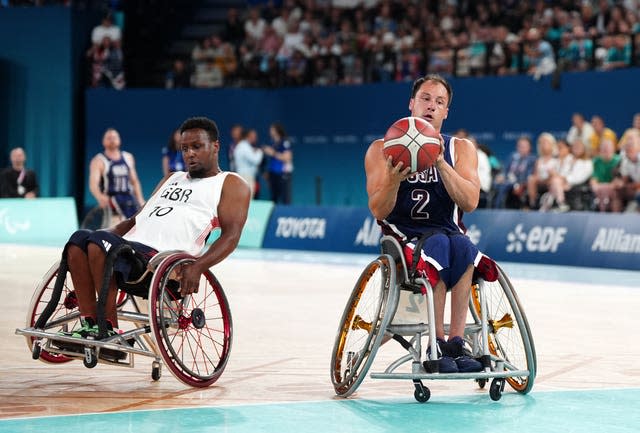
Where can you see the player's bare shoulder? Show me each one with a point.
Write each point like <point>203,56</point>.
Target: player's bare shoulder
<point>465,149</point>
<point>234,183</point>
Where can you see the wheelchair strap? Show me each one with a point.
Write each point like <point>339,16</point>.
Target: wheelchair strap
<point>104,290</point>
<point>417,252</point>
<point>52,305</point>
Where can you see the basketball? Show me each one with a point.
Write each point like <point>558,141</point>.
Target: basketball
<point>414,141</point>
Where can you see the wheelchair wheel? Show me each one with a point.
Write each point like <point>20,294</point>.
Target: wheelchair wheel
<point>362,325</point>
<point>193,333</point>
<point>97,218</point>
<point>65,318</point>
<point>509,333</point>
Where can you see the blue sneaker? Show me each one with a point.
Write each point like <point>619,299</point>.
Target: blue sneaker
<point>464,362</point>
<point>446,364</point>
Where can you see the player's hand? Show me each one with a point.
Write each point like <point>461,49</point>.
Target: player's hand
<point>104,201</point>
<point>440,157</point>
<point>398,172</point>
<point>189,277</point>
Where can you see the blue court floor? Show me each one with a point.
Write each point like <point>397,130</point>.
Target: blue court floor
<point>611,411</point>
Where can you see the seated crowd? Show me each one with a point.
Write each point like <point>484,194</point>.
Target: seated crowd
<point>590,169</point>
<point>351,42</point>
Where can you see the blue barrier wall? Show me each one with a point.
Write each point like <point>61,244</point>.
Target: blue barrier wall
<point>572,239</point>
<point>332,127</point>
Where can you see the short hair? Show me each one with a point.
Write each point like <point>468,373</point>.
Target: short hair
<point>436,78</point>
<point>279,129</point>
<point>208,125</point>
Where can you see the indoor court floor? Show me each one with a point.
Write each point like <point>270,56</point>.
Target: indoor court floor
<point>286,306</point>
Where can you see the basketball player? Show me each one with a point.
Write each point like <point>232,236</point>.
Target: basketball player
<point>113,179</point>
<point>183,210</point>
<point>429,205</point>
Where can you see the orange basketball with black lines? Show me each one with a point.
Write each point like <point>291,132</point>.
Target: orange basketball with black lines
<point>414,141</point>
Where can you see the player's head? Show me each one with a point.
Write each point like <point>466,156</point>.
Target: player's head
<point>430,99</point>
<point>111,139</point>
<point>277,131</point>
<point>200,146</point>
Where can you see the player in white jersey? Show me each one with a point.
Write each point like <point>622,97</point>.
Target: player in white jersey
<point>181,213</point>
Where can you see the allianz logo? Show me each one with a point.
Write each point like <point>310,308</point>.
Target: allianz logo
<point>369,233</point>
<point>301,228</point>
<point>616,241</point>
<point>537,239</point>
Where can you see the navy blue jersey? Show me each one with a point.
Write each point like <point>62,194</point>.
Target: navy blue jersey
<point>423,205</point>
<point>115,179</point>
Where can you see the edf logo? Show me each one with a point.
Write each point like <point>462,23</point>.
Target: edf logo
<point>538,239</point>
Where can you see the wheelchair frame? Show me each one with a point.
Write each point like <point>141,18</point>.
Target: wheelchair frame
<point>498,332</point>
<point>191,334</point>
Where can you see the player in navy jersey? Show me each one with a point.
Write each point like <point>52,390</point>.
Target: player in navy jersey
<point>113,179</point>
<point>425,209</point>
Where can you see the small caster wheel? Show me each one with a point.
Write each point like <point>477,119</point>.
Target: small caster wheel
<point>35,351</point>
<point>481,383</point>
<point>496,388</point>
<point>90,359</point>
<point>156,371</point>
<point>422,394</point>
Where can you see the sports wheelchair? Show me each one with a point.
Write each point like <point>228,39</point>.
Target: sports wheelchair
<point>192,334</point>
<point>390,301</point>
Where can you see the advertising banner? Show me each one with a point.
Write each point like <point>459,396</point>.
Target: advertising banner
<point>41,221</point>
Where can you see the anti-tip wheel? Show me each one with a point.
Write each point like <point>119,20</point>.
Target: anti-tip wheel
<point>422,394</point>
<point>495,390</point>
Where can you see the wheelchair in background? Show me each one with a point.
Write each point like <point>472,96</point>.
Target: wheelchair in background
<point>389,301</point>
<point>191,334</point>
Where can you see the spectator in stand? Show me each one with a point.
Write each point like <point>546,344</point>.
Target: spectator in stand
<point>546,164</point>
<point>280,164</point>
<point>254,26</point>
<point>106,64</point>
<point>541,54</point>
<point>233,31</point>
<point>605,166</point>
<point>106,29</point>
<point>576,53</point>
<point>575,169</point>
<point>247,156</point>
<point>172,155</point>
<point>510,186</point>
<point>600,133</point>
<point>628,183</point>
<point>178,76</point>
<point>618,52</point>
<point>18,181</point>
<point>580,129</point>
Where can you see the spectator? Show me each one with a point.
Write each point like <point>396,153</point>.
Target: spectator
<point>106,60</point>
<point>510,186</point>
<point>605,166</point>
<point>255,25</point>
<point>600,133</point>
<point>280,165</point>
<point>178,76</point>
<point>575,169</point>
<point>484,174</point>
<point>233,31</point>
<point>172,155</point>
<point>247,156</point>
<point>546,165</point>
<point>18,181</point>
<point>541,54</point>
<point>635,126</point>
<point>580,129</point>
<point>628,183</point>
<point>106,29</point>
<point>236,133</point>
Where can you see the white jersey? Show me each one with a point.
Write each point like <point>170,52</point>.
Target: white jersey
<point>181,214</point>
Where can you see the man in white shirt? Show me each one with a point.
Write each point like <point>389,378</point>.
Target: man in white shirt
<point>580,129</point>
<point>247,157</point>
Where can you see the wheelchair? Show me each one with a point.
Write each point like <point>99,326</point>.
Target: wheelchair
<point>391,302</point>
<point>191,334</point>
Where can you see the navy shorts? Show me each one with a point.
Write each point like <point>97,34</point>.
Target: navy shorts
<point>449,254</point>
<point>106,241</point>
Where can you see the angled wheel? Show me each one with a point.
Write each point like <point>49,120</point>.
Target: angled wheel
<point>363,323</point>
<point>193,333</point>
<point>64,318</point>
<point>509,333</point>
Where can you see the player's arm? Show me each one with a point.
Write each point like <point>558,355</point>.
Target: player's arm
<point>383,180</point>
<point>133,178</point>
<point>96,171</point>
<point>462,182</point>
<point>232,215</point>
